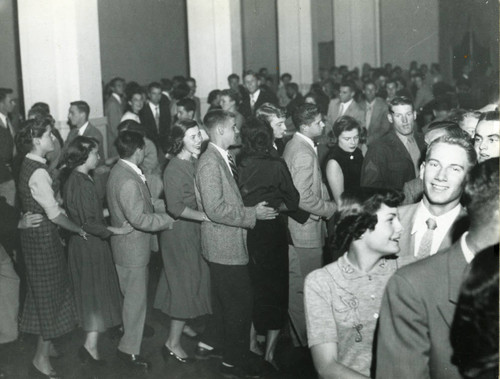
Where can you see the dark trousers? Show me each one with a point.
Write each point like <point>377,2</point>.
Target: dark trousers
<point>229,326</point>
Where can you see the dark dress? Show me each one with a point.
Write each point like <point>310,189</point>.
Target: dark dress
<point>350,164</point>
<point>266,178</point>
<point>91,267</point>
<point>49,309</point>
<point>184,288</point>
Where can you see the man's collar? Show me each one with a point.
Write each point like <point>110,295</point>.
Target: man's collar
<point>468,253</point>
<point>117,97</point>
<point>347,104</point>
<point>422,214</point>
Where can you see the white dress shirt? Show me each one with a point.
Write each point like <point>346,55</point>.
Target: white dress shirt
<point>468,253</point>
<point>443,222</point>
<point>253,97</point>
<point>344,106</point>
<point>82,128</point>
<point>117,97</point>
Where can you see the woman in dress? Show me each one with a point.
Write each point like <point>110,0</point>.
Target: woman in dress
<point>184,289</point>
<point>135,100</point>
<point>49,309</point>
<point>342,300</point>
<point>263,176</point>
<point>92,271</point>
<point>344,161</point>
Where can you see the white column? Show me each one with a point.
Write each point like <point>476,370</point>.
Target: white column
<point>357,32</point>
<point>215,48</point>
<point>60,57</point>
<point>295,41</point>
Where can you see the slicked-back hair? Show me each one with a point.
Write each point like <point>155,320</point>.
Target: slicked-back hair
<point>252,73</point>
<point>358,213</point>
<point>153,85</point>
<point>232,94</point>
<point>305,114</point>
<point>348,83</point>
<point>267,110</point>
<point>256,137</point>
<point>115,80</point>
<point>216,117</point>
<point>4,92</point>
<point>233,76</point>
<point>481,191</point>
<point>82,106</point>
<point>128,142</point>
<point>400,100</point>
<point>187,103</point>
<point>489,116</point>
<point>463,142</point>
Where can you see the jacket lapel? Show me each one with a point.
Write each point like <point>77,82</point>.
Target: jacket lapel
<point>398,146</point>
<point>225,168</point>
<point>144,187</point>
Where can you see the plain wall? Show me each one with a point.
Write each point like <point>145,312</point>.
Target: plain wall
<point>260,35</point>
<point>143,40</point>
<point>322,30</point>
<point>9,74</point>
<point>409,31</point>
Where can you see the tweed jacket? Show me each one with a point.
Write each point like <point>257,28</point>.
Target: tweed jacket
<point>407,214</point>
<point>416,315</point>
<point>303,164</point>
<point>129,200</point>
<point>223,240</point>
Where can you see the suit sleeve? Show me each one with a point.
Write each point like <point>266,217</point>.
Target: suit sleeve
<point>403,343</point>
<point>301,170</point>
<point>130,199</point>
<point>209,181</point>
<point>372,172</point>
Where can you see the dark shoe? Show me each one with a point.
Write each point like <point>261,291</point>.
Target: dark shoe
<point>202,353</point>
<point>167,353</point>
<point>36,373</point>
<point>86,357</point>
<point>237,372</point>
<point>134,360</point>
<point>148,331</point>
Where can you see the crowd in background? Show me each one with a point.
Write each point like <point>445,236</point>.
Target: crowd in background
<point>348,215</point>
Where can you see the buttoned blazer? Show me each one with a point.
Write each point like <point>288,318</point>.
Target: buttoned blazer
<point>129,200</point>
<point>264,97</point>
<point>158,136</point>
<point>354,110</point>
<point>379,123</point>
<point>113,110</point>
<point>407,214</point>
<point>416,315</point>
<point>303,164</point>
<point>223,239</point>
<point>387,163</point>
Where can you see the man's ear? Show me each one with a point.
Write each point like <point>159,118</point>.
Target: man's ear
<point>414,115</point>
<point>390,118</point>
<point>422,170</point>
<point>220,130</point>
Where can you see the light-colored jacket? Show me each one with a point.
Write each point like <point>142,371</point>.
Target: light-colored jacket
<point>224,239</point>
<point>129,200</point>
<point>303,164</point>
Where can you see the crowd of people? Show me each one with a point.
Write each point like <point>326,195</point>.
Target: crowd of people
<point>362,217</point>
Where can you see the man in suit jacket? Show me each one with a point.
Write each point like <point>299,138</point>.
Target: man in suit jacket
<point>113,110</point>
<point>7,148</point>
<point>394,159</point>
<point>376,110</point>
<point>420,299</point>
<point>129,200</point>
<point>155,116</point>
<point>256,97</point>
<point>430,225</point>
<point>344,105</point>
<point>223,239</point>
<point>305,255</point>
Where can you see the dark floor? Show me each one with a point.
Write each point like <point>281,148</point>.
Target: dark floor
<point>15,358</point>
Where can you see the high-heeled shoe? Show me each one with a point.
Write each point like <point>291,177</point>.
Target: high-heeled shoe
<point>167,353</point>
<point>86,357</point>
<point>36,373</point>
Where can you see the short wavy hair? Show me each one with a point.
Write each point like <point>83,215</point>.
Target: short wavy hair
<point>358,213</point>
<point>177,133</point>
<point>257,137</point>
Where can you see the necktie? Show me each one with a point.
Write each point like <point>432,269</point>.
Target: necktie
<point>414,151</point>
<point>157,117</point>
<point>234,169</point>
<point>368,115</point>
<point>252,101</point>
<point>341,110</point>
<point>425,245</point>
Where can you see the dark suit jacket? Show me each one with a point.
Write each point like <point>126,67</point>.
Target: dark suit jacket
<point>379,123</point>
<point>158,135</point>
<point>6,153</point>
<point>387,163</point>
<point>90,131</point>
<point>223,240</point>
<point>407,215</point>
<point>416,315</point>
<point>264,97</point>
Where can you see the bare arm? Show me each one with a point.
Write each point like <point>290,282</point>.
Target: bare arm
<point>335,178</point>
<point>325,361</point>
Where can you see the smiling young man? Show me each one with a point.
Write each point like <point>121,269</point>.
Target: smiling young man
<point>429,226</point>
<point>394,158</point>
<point>486,137</point>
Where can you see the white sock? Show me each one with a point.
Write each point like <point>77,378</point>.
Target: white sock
<point>227,364</point>
<point>205,346</point>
